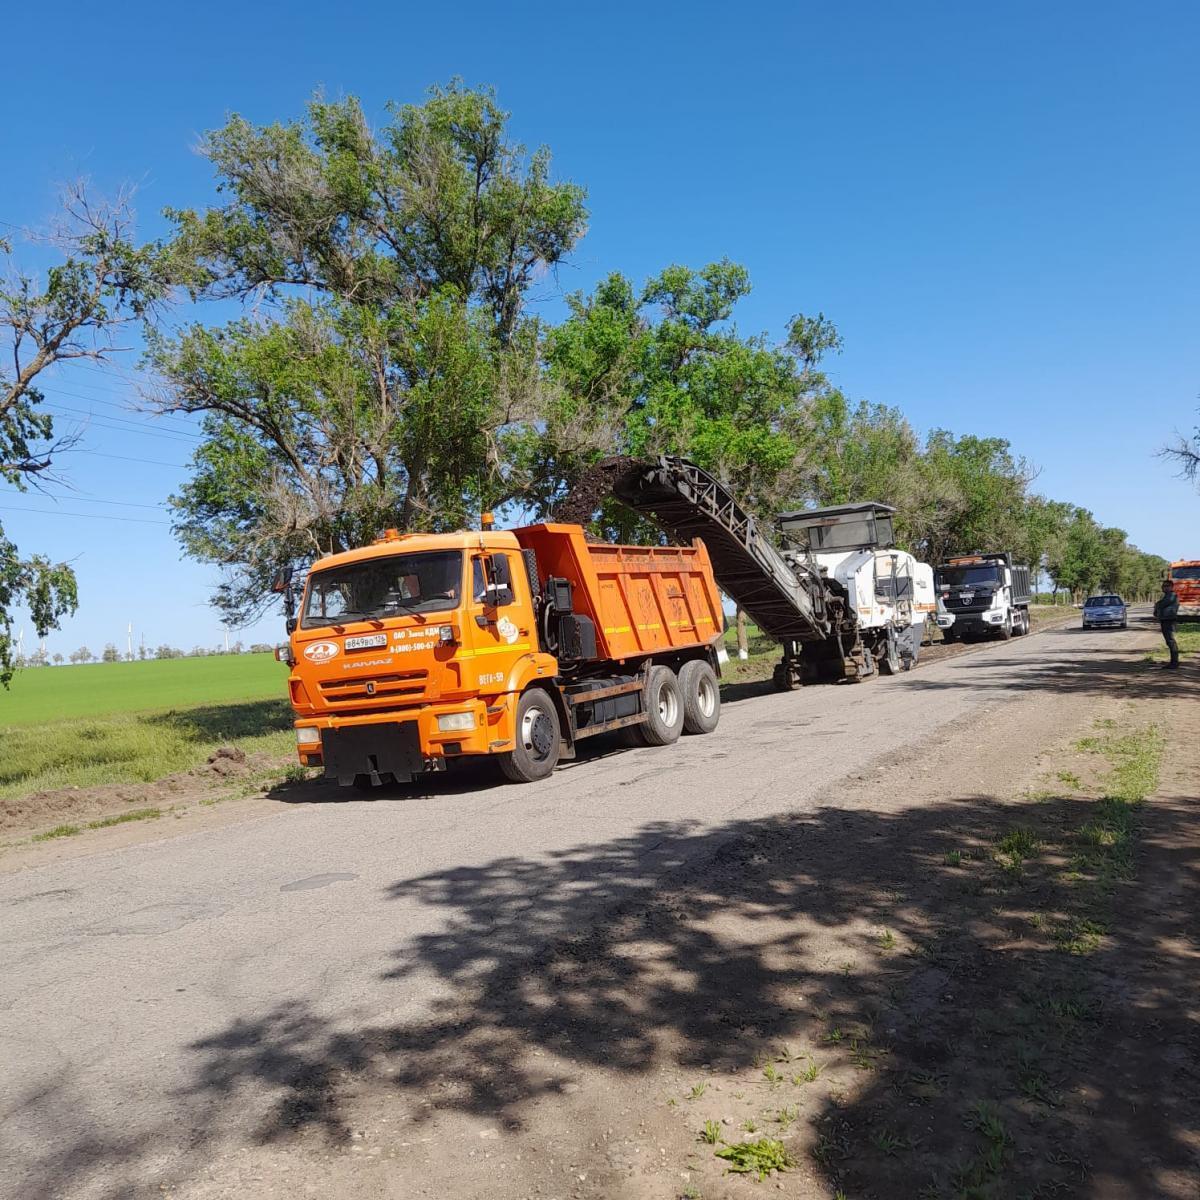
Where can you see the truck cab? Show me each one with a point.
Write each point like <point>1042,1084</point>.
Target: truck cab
<point>982,595</point>
<point>427,628</point>
<point>1186,576</point>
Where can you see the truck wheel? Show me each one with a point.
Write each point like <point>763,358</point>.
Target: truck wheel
<point>701,697</point>
<point>1006,630</point>
<point>539,739</point>
<point>664,708</point>
<point>889,662</point>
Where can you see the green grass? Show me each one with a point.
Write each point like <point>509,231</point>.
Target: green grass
<point>136,747</point>
<point>51,694</point>
<point>59,831</point>
<point>1187,634</point>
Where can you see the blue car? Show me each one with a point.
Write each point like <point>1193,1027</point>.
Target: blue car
<point>1109,612</point>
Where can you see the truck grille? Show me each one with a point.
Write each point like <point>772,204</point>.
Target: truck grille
<point>405,685</point>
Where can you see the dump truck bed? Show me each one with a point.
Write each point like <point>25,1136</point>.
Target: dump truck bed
<point>642,599</point>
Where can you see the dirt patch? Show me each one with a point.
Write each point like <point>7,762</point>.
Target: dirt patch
<point>41,811</point>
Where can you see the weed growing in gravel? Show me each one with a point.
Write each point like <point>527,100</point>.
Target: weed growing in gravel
<point>954,858</point>
<point>697,1091</point>
<point>771,1075</point>
<point>810,1074</point>
<point>1014,847</point>
<point>886,940</point>
<point>134,814</point>
<point>59,831</point>
<point>888,1142</point>
<point>758,1158</point>
<point>711,1133</point>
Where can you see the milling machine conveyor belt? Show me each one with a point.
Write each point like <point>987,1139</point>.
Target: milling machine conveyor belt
<point>786,604</point>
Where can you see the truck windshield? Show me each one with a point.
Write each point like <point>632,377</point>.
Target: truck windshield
<point>968,576</point>
<point>384,587</point>
<point>1185,572</point>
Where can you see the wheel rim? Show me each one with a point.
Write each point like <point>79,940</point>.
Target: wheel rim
<point>706,697</point>
<point>668,706</point>
<point>537,733</point>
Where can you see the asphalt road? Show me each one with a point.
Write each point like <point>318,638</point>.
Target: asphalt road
<point>127,973</point>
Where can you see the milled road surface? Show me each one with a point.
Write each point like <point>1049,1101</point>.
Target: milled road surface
<point>119,966</point>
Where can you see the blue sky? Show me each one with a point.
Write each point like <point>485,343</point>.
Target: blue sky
<point>997,205</point>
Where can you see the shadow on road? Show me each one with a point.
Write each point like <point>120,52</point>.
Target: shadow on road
<point>711,949</point>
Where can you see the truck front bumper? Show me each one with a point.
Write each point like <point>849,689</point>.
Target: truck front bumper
<point>984,622</point>
<point>403,742</point>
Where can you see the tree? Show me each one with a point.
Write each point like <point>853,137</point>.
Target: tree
<point>101,282</point>
<point>110,654</point>
<point>389,355</point>
<point>1185,454</point>
<point>665,371</point>
<point>82,655</point>
<point>166,651</point>
<point>58,659</point>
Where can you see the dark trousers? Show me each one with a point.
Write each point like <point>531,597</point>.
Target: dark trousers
<point>1168,632</point>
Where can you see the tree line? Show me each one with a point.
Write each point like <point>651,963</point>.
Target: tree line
<point>391,371</point>
<point>112,654</point>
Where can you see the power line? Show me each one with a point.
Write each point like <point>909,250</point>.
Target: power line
<point>79,499</point>
<point>158,462</point>
<point>181,425</point>
<point>56,512</point>
<point>100,422</point>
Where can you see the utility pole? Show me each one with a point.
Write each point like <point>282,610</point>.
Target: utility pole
<point>129,643</point>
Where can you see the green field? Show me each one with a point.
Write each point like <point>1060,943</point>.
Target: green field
<point>104,689</point>
<point>139,721</point>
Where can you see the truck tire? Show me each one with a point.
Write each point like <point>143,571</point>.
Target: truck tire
<point>701,697</point>
<point>889,661</point>
<point>664,708</point>
<point>1006,629</point>
<point>538,739</point>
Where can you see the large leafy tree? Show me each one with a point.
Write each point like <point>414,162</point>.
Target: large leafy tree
<point>388,360</point>
<point>100,280</point>
<point>664,370</point>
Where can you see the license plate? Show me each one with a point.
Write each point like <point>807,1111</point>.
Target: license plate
<point>366,641</point>
<point>967,597</point>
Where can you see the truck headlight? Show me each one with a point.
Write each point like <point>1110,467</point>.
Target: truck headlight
<point>456,722</point>
<point>308,735</point>
<point>283,654</point>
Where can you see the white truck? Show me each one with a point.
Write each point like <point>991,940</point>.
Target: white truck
<point>890,591</point>
<point>982,595</point>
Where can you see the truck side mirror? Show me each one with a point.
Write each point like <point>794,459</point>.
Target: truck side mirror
<point>500,591</point>
<point>281,585</point>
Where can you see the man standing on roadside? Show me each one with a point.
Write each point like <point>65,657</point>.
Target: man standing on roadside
<point>1166,613</point>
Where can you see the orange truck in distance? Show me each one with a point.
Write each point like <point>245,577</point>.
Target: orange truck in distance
<point>421,648</point>
<point>1186,574</point>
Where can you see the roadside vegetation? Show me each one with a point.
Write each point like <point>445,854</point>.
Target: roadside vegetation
<point>1187,634</point>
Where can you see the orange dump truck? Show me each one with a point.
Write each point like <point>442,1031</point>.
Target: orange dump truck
<point>1186,574</point>
<point>425,647</point>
